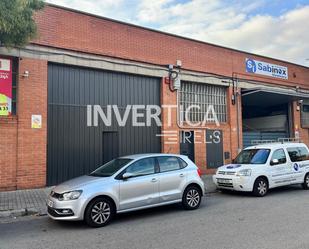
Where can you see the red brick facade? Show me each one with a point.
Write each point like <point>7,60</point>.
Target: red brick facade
<point>24,162</point>
<point>79,32</point>
<point>8,151</point>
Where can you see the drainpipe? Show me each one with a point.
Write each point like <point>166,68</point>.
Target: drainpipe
<point>237,95</point>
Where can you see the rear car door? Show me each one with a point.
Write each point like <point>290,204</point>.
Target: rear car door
<point>299,162</point>
<point>143,188</point>
<point>279,171</point>
<point>172,178</point>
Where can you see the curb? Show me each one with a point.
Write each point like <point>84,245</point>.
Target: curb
<point>21,212</point>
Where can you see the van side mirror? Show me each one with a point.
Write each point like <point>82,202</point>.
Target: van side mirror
<point>274,162</point>
<point>127,175</point>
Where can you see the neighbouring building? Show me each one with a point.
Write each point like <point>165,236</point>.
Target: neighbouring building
<point>81,59</point>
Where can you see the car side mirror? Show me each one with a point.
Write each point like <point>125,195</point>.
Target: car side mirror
<point>127,175</point>
<point>274,162</point>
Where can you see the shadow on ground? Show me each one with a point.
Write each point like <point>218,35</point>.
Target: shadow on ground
<point>272,192</point>
<point>134,216</point>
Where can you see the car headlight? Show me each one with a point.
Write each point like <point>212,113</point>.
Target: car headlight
<point>72,195</point>
<point>244,172</point>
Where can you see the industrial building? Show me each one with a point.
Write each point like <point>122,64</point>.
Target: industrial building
<point>80,60</point>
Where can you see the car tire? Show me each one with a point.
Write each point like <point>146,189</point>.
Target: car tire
<point>260,187</point>
<point>99,212</point>
<point>192,198</point>
<point>306,182</point>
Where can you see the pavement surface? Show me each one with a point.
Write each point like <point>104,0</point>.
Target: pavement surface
<point>23,202</point>
<point>33,201</point>
<point>224,221</point>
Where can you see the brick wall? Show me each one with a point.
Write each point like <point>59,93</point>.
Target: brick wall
<point>31,149</point>
<point>71,30</point>
<point>8,148</point>
<point>303,133</point>
<point>24,162</point>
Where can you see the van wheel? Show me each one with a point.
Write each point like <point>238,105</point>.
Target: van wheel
<point>260,187</point>
<point>192,198</point>
<point>306,182</point>
<point>99,212</point>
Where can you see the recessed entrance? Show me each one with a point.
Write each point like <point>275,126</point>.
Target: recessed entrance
<point>266,115</point>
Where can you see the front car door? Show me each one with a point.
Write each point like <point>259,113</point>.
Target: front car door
<point>142,189</point>
<point>280,170</point>
<point>172,178</point>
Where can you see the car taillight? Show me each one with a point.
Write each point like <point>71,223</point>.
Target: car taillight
<point>199,172</point>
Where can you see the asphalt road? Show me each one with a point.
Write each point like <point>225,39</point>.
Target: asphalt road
<point>279,220</point>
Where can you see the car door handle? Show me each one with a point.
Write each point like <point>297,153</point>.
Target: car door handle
<point>181,175</point>
<point>154,180</point>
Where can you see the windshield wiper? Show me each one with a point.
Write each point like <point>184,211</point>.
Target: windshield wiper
<point>98,175</point>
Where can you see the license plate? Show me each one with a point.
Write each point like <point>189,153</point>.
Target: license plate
<point>50,203</point>
<point>224,181</point>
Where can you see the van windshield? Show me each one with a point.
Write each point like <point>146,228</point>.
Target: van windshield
<point>252,156</point>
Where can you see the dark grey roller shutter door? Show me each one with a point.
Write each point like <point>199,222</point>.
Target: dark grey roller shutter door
<point>250,136</point>
<point>75,149</point>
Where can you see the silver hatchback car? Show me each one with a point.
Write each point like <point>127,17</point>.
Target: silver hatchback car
<point>126,184</point>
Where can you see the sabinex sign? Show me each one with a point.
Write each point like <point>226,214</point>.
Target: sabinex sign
<point>267,69</point>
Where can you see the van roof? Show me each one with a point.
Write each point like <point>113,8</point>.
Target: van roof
<point>276,145</point>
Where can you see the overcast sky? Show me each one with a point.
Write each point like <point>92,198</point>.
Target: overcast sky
<point>275,28</point>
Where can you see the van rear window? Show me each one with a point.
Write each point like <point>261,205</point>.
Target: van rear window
<point>298,154</point>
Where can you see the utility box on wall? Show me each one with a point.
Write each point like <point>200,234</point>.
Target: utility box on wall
<point>177,83</point>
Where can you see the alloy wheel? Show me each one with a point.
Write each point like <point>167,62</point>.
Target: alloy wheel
<point>100,212</point>
<point>262,188</point>
<point>193,198</point>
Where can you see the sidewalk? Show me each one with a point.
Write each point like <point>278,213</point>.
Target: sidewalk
<point>23,202</point>
<point>32,201</point>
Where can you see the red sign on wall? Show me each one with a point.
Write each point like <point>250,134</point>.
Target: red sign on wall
<point>5,87</point>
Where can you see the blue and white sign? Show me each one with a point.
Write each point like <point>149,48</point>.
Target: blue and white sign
<point>296,167</point>
<point>267,69</point>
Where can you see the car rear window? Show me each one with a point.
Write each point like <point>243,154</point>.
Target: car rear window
<point>298,154</point>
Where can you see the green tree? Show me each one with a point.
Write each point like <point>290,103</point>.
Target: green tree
<point>17,26</point>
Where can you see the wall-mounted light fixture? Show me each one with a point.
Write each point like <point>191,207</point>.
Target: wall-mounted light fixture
<point>173,77</point>
<point>299,104</point>
<point>25,74</point>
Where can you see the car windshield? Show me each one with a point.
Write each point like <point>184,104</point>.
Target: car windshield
<point>252,156</point>
<point>111,167</point>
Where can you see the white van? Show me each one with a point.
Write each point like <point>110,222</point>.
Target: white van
<point>259,168</point>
